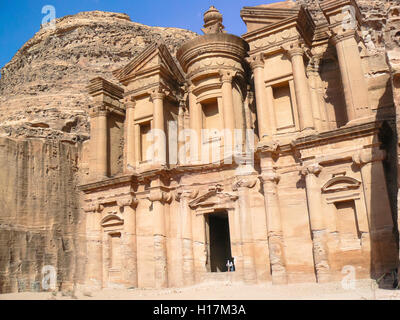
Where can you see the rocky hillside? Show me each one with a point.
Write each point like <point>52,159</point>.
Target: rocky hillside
<point>42,89</point>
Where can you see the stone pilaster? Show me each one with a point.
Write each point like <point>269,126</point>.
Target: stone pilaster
<point>354,83</point>
<point>159,199</point>
<point>195,122</point>
<point>344,19</point>
<point>317,223</point>
<point>313,75</point>
<point>188,268</point>
<point>94,275</point>
<point>242,186</point>
<point>227,98</point>
<point>130,135</point>
<point>128,209</point>
<point>369,161</point>
<point>265,118</point>
<point>157,96</point>
<point>295,53</point>
<point>98,141</point>
<point>270,179</point>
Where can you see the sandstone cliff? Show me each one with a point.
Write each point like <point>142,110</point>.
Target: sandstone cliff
<point>43,119</point>
<point>43,88</point>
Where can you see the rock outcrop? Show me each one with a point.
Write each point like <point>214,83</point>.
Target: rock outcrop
<point>43,87</point>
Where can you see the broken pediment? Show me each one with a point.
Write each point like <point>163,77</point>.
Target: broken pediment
<point>213,200</point>
<point>111,220</point>
<point>340,184</point>
<point>274,25</point>
<point>154,60</point>
<point>267,14</point>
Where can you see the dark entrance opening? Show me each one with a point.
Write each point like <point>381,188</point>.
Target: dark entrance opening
<point>219,242</point>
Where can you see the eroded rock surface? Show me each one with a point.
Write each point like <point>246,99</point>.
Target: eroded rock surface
<point>43,87</point>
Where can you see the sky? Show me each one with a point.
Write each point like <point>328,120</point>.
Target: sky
<point>21,19</point>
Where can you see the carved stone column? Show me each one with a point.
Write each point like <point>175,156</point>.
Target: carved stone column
<point>265,119</point>
<point>99,141</point>
<point>354,83</point>
<point>130,135</point>
<point>295,53</point>
<point>181,127</point>
<point>94,273</point>
<point>270,179</point>
<point>188,269</point>
<point>369,162</point>
<point>344,20</point>
<point>157,96</point>
<point>317,224</point>
<point>242,186</point>
<point>128,209</point>
<point>195,122</point>
<point>159,199</point>
<point>227,99</point>
<point>313,74</point>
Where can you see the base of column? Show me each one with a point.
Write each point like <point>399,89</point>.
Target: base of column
<point>279,277</point>
<point>323,277</point>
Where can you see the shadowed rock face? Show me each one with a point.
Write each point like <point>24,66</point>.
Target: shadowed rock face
<point>43,103</point>
<point>43,88</point>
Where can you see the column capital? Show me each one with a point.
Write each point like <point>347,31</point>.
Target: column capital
<point>256,61</point>
<point>130,103</point>
<point>157,93</point>
<point>268,146</point>
<point>186,194</point>
<point>368,155</point>
<point>227,75</point>
<point>342,35</point>
<point>313,65</point>
<point>270,176</point>
<point>293,49</point>
<point>244,182</point>
<point>313,169</point>
<point>182,103</point>
<point>98,109</point>
<point>161,196</point>
<point>128,202</point>
<point>93,207</point>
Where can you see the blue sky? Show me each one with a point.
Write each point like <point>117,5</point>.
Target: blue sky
<point>21,19</point>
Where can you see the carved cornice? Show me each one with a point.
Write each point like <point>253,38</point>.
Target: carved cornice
<point>212,45</point>
<point>215,198</point>
<point>137,65</point>
<point>99,85</point>
<point>299,25</point>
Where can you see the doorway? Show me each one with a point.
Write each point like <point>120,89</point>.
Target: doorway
<point>219,242</point>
